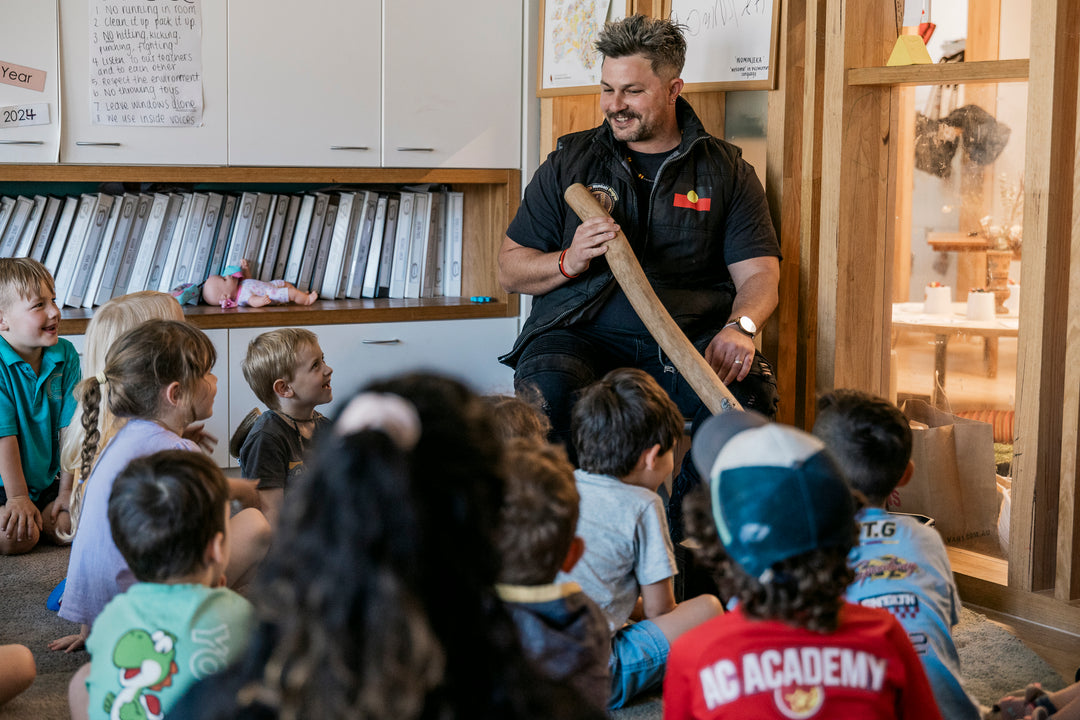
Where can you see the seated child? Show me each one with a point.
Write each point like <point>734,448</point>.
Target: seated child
<point>38,372</point>
<point>237,289</point>
<point>17,670</point>
<point>561,629</point>
<point>777,521</point>
<point>286,370</point>
<point>519,416</point>
<point>625,428</point>
<point>169,515</point>
<point>871,441</point>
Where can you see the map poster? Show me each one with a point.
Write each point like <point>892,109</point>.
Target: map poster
<point>569,63</point>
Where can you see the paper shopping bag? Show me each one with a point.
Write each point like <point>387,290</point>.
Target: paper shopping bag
<point>954,480</point>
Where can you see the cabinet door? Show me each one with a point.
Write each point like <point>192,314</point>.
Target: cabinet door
<point>358,354</point>
<point>84,142</point>
<point>28,39</point>
<point>304,83</point>
<point>452,84</point>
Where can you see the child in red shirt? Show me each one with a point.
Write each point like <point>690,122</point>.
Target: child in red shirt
<point>777,522</point>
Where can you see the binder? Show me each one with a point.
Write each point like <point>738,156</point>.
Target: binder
<point>148,243</point>
<point>29,232</point>
<point>168,229</point>
<point>400,270</point>
<point>189,240</point>
<point>174,243</point>
<point>204,244</point>
<point>361,250</point>
<point>113,247</point>
<point>371,271</point>
<point>273,243</point>
<point>47,228</point>
<point>65,273</point>
<point>311,243</point>
<point>349,203</point>
<point>287,234</point>
<point>60,234</point>
<point>240,229</point>
<point>386,259</point>
<point>329,221</point>
<point>221,239</point>
<point>421,217</point>
<point>299,239</point>
<point>7,206</point>
<point>257,233</point>
<point>90,249</point>
<point>9,241</point>
<point>432,247</point>
<point>138,227</point>
<point>454,239</point>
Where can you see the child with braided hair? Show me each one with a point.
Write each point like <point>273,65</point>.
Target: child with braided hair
<point>159,380</point>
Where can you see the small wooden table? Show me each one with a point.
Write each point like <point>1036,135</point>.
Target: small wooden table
<point>910,317</point>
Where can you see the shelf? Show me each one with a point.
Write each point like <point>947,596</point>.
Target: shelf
<point>323,312</point>
<point>986,71</point>
<point>252,175</point>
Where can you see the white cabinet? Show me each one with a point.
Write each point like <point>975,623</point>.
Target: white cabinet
<point>28,39</point>
<point>358,354</point>
<point>83,142</point>
<point>305,84</point>
<point>452,84</point>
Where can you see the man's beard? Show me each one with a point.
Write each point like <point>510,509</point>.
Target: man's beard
<point>639,133</point>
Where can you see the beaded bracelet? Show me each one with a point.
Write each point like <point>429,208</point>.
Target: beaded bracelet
<point>565,274</point>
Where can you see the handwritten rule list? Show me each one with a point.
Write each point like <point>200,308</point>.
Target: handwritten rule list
<point>146,62</point>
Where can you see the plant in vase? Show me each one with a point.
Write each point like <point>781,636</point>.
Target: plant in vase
<point>1005,240</point>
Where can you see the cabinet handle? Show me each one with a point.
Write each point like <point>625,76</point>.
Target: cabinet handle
<point>84,143</point>
<point>349,147</point>
<point>394,341</point>
<point>415,149</point>
<point>22,142</point>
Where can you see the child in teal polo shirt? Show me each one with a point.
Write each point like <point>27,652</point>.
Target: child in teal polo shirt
<point>38,371</point>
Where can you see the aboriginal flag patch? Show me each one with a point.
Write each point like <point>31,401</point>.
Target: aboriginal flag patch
<point>693,201</point>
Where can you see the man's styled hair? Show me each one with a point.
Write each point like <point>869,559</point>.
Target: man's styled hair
<point>272,356</point>
<point>660,41</point>
<point>868,437</point>
<point>22,278</point>
<point>621,416</point>
<point>539,513</point>
<point>164,510</point>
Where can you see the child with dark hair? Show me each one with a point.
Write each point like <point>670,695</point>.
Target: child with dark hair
<point>777,521</point>
<point>561,629</point>
<point>520,416</point>
<point>160,379</point>
<point>900,563</point>
<point>625,430</point>
<point>169,516</point>
<point>378,596</point>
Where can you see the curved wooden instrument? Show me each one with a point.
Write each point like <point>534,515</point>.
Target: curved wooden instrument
<point>631,278</point>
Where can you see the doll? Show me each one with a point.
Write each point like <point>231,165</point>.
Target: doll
<point>238,288</point>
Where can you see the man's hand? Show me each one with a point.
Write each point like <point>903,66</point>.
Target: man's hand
<point>20,520</point>
<point>730,354</point>
<point>590,241</point>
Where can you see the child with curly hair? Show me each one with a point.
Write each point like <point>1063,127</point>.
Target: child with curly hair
<point>777,521</point>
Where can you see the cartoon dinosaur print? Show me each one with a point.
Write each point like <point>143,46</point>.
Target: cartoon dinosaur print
<point>147,662</point>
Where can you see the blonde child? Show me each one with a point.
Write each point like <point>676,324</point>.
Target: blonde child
<point>287,371</point>
<point>38,370</point>
<point>159,379</point>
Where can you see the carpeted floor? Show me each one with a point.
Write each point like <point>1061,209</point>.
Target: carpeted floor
<point>994,661</point>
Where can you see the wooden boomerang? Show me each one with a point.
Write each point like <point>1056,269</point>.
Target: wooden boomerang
<point>631,278</point>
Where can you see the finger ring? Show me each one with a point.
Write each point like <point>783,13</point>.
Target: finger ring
<point>738,362</point>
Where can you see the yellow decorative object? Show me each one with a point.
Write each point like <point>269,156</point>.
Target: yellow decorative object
<point>909,50</point>
<point>692,196</point>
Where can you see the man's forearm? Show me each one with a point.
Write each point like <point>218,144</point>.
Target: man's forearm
<point>756,294</point>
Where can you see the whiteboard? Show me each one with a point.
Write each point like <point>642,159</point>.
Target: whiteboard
<point>730,44</point>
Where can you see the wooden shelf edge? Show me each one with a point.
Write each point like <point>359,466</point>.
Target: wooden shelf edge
<point>251,175</point>
<point>324,312</point>
<point>985,71</point>
<point>1018,606</point>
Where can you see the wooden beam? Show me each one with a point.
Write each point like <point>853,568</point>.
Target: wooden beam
<point>985,71</point>
<point>1048,218</point>
<point>783,172</point>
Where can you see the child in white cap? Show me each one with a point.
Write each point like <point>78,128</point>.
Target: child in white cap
<point>777,522</point>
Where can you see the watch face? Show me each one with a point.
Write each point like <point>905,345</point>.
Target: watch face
<point>747,325</point>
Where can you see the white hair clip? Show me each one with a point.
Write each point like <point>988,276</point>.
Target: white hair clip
<point>384,412</point>
<point>101,379</point>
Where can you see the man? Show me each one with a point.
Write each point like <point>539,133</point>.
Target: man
<point>693,211</point>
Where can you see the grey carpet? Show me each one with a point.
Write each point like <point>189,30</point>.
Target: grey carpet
<point>994,661</point>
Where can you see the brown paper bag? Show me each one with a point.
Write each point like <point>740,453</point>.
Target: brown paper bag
<point>954,480</point>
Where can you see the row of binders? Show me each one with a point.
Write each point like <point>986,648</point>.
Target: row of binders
<point>398,243</point>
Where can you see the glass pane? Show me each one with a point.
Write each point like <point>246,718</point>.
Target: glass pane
<point>955,314</point>
<point>746,115</point>
<point>1004,35</point>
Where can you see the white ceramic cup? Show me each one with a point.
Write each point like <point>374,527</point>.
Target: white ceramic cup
<point>938,300</point>
<point>980,306</point>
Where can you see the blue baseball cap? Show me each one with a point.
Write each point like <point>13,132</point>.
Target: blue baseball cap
<point>775,490</point>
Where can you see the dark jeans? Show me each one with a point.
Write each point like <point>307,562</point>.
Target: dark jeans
<point>562,362</point>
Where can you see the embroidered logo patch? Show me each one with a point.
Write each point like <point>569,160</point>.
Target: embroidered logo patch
<point>693,201</point>
<point>605,195</point>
